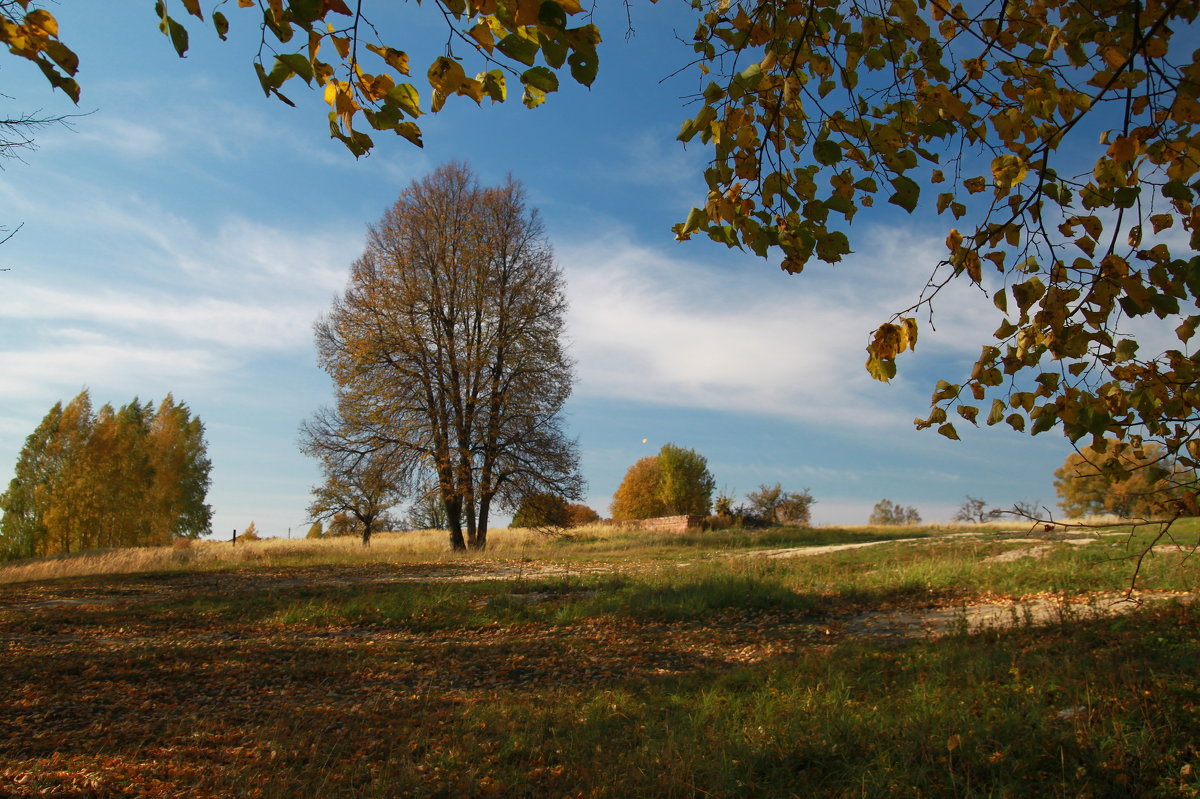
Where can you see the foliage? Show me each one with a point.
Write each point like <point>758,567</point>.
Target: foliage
<point>357,484</point>
<point>446,349</point>
<point>133,476</point>
<point>547,511</point>
<point>775,506</point>
<point>427,512</point>
<point>675,482</point>
<point>887,513</point>
<point>579,514</point>
<point>341,524</point>
<point>686,485</point>
<point>974,510</point>
<point>639,495</point>
<point>250,533</point>
<point>542,510</point>
<point>315,531</point>
<point>1143,483</point>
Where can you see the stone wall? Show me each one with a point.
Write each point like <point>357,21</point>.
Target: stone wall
<point>672,524</point>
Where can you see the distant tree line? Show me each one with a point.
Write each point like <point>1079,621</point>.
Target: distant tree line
<point>118,477</point>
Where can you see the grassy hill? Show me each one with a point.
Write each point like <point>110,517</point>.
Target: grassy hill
<point>610,663</point>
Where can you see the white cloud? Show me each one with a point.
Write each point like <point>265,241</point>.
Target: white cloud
<point>162,301</point>
<point>653,327</point>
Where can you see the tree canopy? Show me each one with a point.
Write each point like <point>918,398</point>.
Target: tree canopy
<point>773,505</point>
<point>675,482</point>
<point>1058,138</point>
<point>1143,485</point>
<point>133,476</point>
<point>448,356</point>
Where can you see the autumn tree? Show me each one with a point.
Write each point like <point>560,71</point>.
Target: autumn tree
<point>358,485</point>
<point>447,350</point>
<point>775,506</point>
<point>975,511</point>
<point>887,514</point>
<point>1144,484</point>
<point>638,496</point>
<point>542,511</point>
<point>579,514</point>
<point>129,476</point>
<point>23,528</point>
<point>675,482</point>
<point>316,530</point>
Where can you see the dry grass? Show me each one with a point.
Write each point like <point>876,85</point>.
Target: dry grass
<point>424,545</point>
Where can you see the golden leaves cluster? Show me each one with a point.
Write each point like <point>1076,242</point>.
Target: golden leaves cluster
<point>33,35</point>
<point>814,111</point>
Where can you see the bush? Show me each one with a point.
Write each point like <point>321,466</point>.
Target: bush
<point>249,534</point>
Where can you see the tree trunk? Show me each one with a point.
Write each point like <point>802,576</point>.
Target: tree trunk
<point>481,528</point>
<point>454,520</point>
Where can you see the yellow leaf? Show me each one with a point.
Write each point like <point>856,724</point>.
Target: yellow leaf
<point>396,59</point>
<point>953,742</point>
<point>1008,170</point>
<point>1124,148</point>
<point>446,75</point>
<point>887,342</point>
<point>342,45</point>
<point>42,22</point>
<point>482,33</point>
<point>471,88</point>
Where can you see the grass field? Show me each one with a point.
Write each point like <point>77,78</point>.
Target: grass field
<point>612,663</point>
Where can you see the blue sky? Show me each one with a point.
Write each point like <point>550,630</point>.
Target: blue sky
<point>183,235</point>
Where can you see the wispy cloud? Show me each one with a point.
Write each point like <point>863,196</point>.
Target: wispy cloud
<point>657,327</point>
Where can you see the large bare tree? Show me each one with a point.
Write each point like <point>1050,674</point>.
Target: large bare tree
<point>447,350</point>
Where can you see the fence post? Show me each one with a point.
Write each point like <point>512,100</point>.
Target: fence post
<point>234,539</point>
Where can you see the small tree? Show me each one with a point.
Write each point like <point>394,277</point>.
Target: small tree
<point>316,531</point>
<point>687,486</point>
<point>639,496</point>
<point>1027,509</point>
<point>773,505</point>
<point>674,482</point>
<point>250,533</point>
<point>542,511</point>
<point>889,514</point>
<point>340,524</point>
<point>974,511</point>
